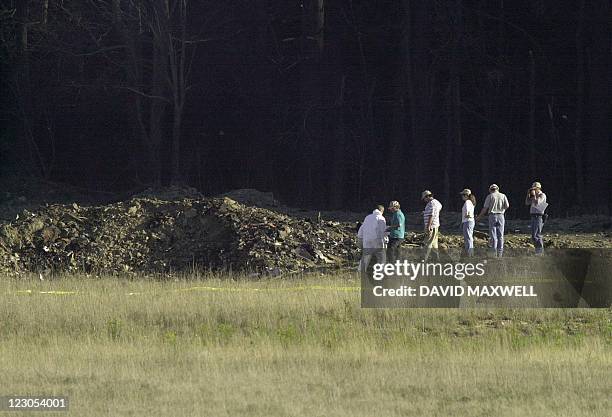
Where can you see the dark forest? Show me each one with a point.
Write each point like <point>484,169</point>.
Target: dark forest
<point>328,104</point>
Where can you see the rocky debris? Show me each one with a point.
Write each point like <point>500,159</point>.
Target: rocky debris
<point>168,230</point>
<point>577,224</point>
<point>153,235</point>
<point>170,193</point>
<point>253,197</point>
<point>21,192</point>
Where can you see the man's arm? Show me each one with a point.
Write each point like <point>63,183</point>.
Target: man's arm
<point>485,208</point>
<point>540,202</point>
<point>394,225</point>
<point>434,210</point>
<point>482,213</point>
<point>382,228</point>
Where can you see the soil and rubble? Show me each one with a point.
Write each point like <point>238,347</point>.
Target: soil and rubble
<point>181,230</point>
<point>148,235</point>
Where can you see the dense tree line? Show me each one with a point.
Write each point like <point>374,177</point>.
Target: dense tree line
<point>327,103</point>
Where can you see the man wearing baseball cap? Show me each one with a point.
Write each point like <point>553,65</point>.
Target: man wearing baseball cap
<point>467,220</point>
<point>431,220</point>
<point>536,199</point>
<point>495,205</point>
<point>396,231</point>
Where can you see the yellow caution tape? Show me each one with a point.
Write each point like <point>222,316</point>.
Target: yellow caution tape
<point>229,289</point>
<point>212,289</point>
<point>46,292</point>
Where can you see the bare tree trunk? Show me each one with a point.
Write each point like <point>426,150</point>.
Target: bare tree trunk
<point>598,158</point>
<point>456,137</point>
<point>580,77</point>
<point>486,153</point>
<point>311,130</point>
<point>140,100</point>
<point>44,14</point>
<point>116,11</point>
<point>28,148</point>
<point>417,69</point>
<point>531,136</point>
<point>159,88</point>
<point>398,138</point>
<point>319,24</point>
<point>339,154</point>
<point>449,148</point>
<point>179,88</point>
<point>176,149</point>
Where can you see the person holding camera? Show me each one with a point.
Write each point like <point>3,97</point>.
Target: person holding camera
<point>536,199</point>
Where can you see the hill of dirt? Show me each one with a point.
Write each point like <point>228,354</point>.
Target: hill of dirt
<point>153,235</point>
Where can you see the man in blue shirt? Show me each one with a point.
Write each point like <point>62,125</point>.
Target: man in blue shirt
<point>396,231</point>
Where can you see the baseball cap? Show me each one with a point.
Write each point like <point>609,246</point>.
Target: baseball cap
<point>466,191</point>
<point>426,193</point>
<point>394,204</point>
<point>493,187</point>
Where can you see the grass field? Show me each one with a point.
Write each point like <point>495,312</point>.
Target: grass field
<point>301,347</point>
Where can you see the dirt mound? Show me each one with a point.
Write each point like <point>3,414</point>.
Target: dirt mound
<point>154,235</point>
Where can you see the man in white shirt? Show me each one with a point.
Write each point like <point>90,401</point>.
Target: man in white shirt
<point>495,205</point>
<point>372,234</point>
<point>431,221</point>
<point>536,199</point>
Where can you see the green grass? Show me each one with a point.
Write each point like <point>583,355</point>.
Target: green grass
<point>300,347</point>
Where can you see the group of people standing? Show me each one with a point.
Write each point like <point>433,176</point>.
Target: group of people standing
<point>383,241</point>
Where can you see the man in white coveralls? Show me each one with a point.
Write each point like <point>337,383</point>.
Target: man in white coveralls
<point>373,237</point>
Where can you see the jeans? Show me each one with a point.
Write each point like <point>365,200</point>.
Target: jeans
<point>393,248</point>
<point>366,257</point>
<point>536,232</point>
<point>496,231</point>
<point>468,236</point>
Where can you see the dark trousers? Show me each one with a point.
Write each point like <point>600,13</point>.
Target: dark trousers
<point>393,249</point>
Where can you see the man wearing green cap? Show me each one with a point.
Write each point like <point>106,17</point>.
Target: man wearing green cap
<point>536,199</point>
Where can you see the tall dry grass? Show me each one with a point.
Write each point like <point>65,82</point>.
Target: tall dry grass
<point>302,347</point>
